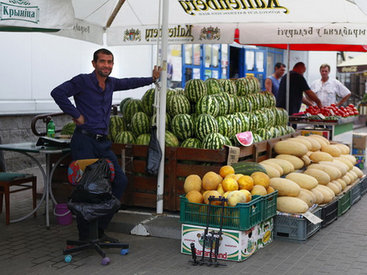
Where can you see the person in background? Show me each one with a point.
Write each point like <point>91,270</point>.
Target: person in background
<point>328,89</point>
<point>272,82</point>
<point>298,86</point>
<point>91,113</point>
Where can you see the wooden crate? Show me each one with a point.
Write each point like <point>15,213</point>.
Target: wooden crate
<point>179,163</point>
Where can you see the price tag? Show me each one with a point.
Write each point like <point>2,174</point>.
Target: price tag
<point>312,217</point>
<point>321,116</point>
<point>233,154</point>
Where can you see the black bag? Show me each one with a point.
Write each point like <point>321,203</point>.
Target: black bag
<point>92,197</point>
<point>154,153</point>
<point>94,186</point>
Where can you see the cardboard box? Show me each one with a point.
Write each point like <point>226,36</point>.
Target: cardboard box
<point>235,245</point>
<point>361,159</point>
<point>324,133</point>
<point>360,141</point>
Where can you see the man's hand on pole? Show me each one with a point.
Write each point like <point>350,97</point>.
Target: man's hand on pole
<point>156,73</point>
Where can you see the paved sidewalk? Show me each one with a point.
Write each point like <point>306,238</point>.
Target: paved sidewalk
<point>29,248</point>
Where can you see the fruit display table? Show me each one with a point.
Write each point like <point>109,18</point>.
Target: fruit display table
<point>340,130</point>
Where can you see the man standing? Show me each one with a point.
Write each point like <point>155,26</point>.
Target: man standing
<point>93,99</point>
<point>298,86</point>
<point>272,82</point>
<point>328,89</point>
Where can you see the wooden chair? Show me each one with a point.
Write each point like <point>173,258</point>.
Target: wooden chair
<point>12,183</point>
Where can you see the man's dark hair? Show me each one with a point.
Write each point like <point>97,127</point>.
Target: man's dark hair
<point>102,51</point>
<point>299,64</point>
<point>279,65</point>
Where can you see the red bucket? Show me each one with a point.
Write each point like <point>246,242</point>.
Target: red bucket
<point>63,214</point>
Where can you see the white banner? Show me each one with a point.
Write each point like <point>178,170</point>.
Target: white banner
<point>46,14</point>
<point>339,33</point>
<point>84,31</point>
<point>177,34</point>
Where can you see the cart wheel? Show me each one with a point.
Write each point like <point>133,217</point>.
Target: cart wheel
<point>124,251</point>
<point>68,258</point>
<point>105,261</point>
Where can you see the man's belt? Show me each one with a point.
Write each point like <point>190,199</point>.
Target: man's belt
<point>98,137</point>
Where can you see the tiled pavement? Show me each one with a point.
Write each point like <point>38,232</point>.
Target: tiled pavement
<point>28,247</point>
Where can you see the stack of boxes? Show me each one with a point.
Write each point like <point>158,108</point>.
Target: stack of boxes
<point>359,149</point>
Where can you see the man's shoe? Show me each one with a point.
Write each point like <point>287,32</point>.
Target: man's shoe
<point>108,239</point>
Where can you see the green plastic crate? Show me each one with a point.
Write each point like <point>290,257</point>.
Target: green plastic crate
<point>355,193</point>
<point>295,227</point>
<point>344,203</point>
<point>269,205</point>
<point>241,217</point>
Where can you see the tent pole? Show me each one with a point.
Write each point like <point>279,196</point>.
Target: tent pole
<point>114,13</point>
<point>162,109</point>
<point>288,80</point>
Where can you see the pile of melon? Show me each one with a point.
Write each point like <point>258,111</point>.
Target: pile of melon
<point>310,170</point>
<point>236,188</point>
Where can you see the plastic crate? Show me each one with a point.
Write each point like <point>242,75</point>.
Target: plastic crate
<point>241,217</point>
<point>343,203</point>
<point>363,185</point>
<point>355,193</point>
<point>329,212</point>
<point>269,205</point>
<point>296,227</point>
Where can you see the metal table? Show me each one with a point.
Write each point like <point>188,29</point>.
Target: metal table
<point>28,148</point>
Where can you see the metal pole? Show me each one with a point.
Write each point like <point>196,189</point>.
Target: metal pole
<point>162,105</point>
<point>288,80</point>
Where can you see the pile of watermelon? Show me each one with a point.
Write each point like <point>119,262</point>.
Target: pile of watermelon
<point>205,114</point>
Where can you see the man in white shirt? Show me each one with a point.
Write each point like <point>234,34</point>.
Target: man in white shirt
<point>327,89</point>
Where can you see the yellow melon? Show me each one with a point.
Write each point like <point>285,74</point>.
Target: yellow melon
<point>226,170</point>
<point>246,183</point>
<point>211,180</point>
<point>192,182</point>
<point>260,178</point>
<point>229,184</point>
<point>259,190</point>
<point>194,196</point>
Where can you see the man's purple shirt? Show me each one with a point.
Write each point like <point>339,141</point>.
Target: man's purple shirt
<point>91,101</point>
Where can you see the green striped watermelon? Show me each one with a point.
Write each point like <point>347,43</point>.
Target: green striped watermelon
<point>182,126</point>
<point>125,137</point>
<point>147,102</point>
<point>191,143</point>
<point>257,138</point>
<point>223,104</point>
<point>131,107</point>
<point>262,119</point>
<point>204,125</point>
<point>178,104</point>
<point>228,86</point>
<point>171,140</point>
<point>140,124</point>
<point>213,141</point>
<point>207,105</point>
<point>122,104</point>
<point>264,133</point>
<point>245,121</point>
<point>213,86</point>
<point>242,85</point>
<point>117,125</point>
<point>225,126</point>
<point>143,139</point>
<point>195,89</point>
<point>236,123</point>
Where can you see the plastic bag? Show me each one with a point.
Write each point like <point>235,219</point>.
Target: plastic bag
<point>154,153</point>
<point>94,186</point>
<point>92,197</point>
